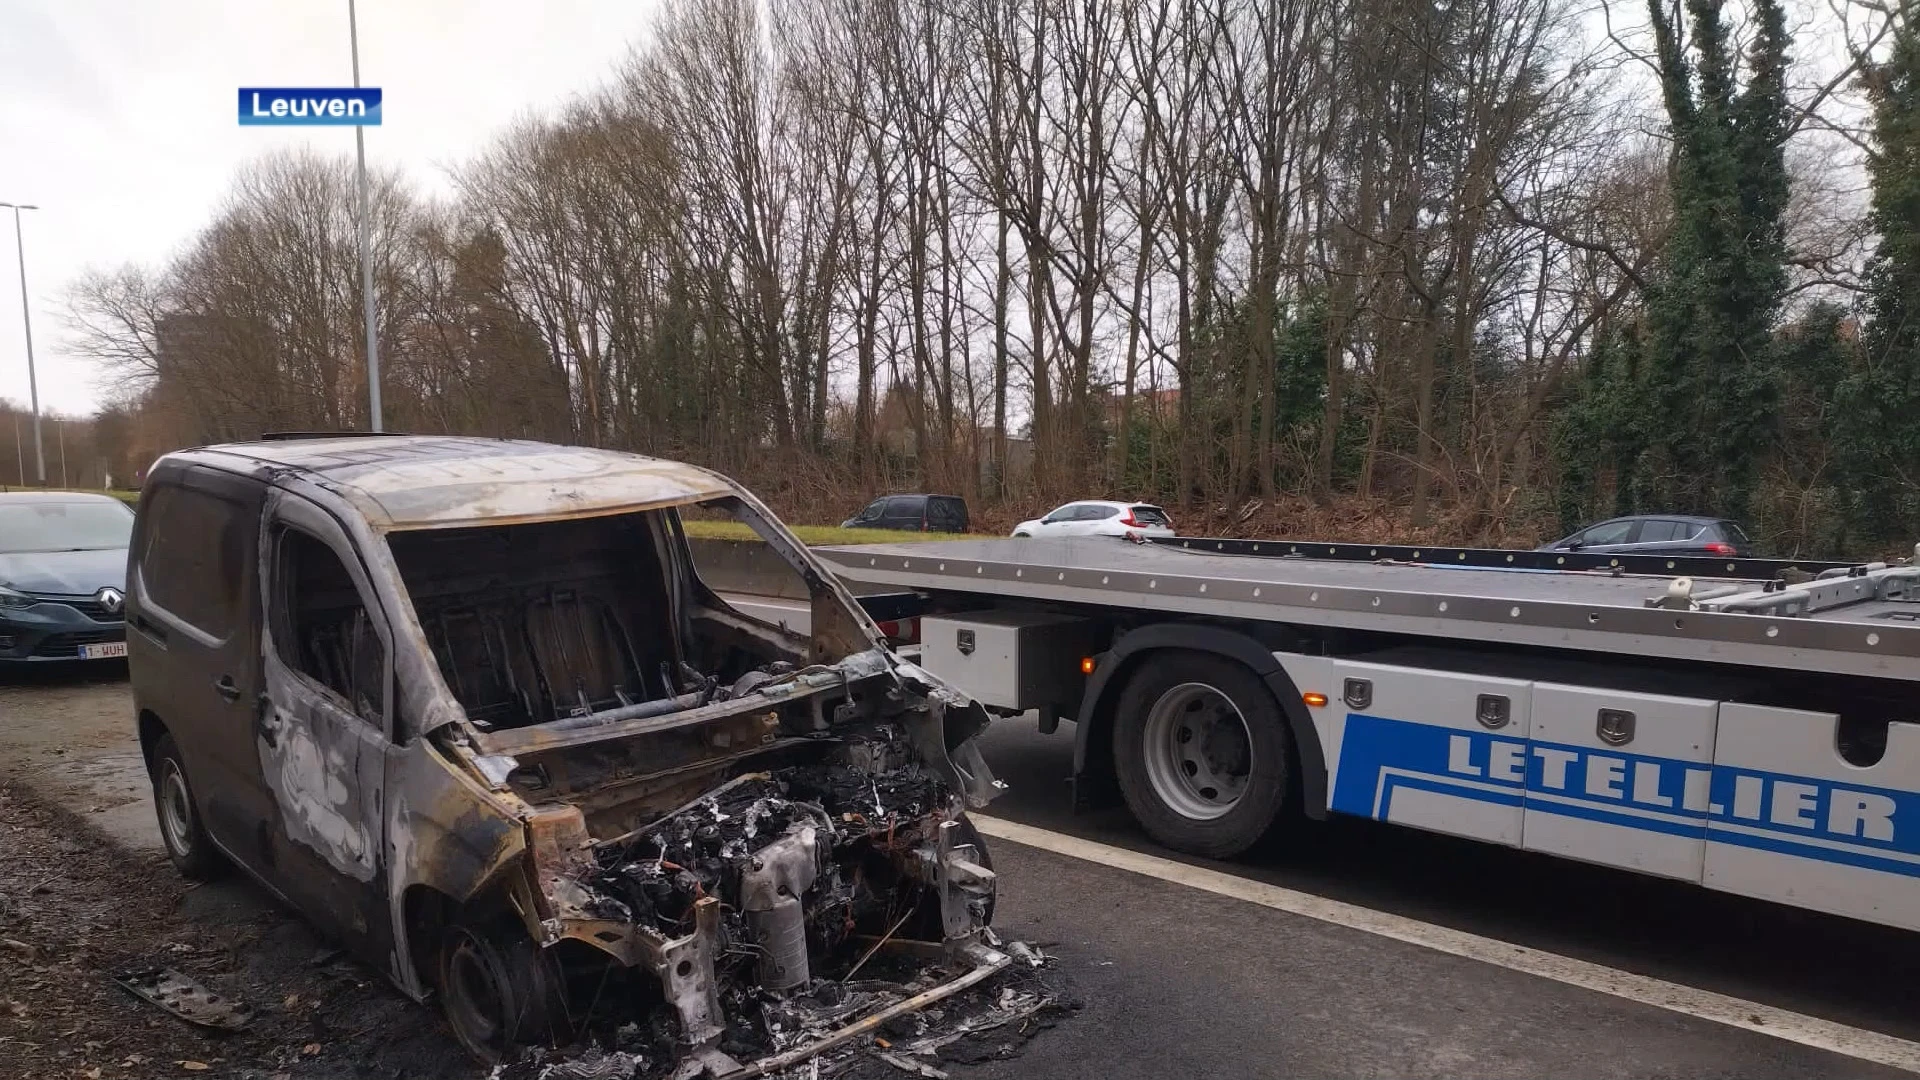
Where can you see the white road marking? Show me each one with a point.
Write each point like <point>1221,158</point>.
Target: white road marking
<point>1688,1001</point>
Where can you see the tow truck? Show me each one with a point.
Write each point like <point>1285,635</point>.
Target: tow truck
<point>1749,725</point>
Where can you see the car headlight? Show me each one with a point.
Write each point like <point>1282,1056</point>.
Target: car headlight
<point>11,599</point>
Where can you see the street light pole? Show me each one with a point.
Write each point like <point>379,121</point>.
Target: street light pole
<point>26,322</point>
<point>366,237</point>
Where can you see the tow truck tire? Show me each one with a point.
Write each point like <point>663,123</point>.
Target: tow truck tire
<point>1202,752</point>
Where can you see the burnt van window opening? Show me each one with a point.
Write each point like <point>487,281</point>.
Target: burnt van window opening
<point>321,628</point>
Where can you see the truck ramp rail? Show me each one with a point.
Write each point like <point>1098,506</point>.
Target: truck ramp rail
<point>1861,620</point>
<point>1709,566</point>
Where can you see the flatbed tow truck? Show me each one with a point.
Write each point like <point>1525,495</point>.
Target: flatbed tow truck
<point>1749,725</point>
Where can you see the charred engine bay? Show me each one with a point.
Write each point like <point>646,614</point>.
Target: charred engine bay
<point>817,863</point>
<point>823,850</point>
<point>815,814</point>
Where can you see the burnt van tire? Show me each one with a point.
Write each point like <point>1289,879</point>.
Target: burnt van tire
<point>181,831</point>
<point>1202,753</point>
<point>499,991</point>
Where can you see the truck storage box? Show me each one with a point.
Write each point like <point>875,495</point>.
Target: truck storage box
<point>1016,660</point>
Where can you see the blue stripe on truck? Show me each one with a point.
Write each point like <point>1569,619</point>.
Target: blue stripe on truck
<point>1813,818</point>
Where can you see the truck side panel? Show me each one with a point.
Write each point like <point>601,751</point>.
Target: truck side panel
<point>1446,770</point>
<point>1794,822</point>
<point>1748,799</point>
<point>1620,778</point>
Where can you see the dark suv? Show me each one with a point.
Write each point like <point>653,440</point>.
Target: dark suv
<point>1659,534</point>
<point>912,513</point>
<point>469,706</point>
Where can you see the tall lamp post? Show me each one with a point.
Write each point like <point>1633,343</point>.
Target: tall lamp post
<point>366,237</point>
<point>26,322</point>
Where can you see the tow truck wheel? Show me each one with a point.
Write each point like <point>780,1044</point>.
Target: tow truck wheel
<point>498,989</point>
<point>1202,752</point>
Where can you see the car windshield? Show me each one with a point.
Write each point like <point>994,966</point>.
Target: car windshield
<point>64,526</point>
<point>1735,533</point>
<point>1150,515</point>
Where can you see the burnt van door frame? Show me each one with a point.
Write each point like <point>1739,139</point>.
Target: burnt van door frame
<point>209,679</point>
<point>323,763</point>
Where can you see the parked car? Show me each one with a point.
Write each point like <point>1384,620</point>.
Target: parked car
<point>63,570</point>
<point>468,705</point>
<point>1659,534</point>
<point>912,513</point>
<point>1097,518</point>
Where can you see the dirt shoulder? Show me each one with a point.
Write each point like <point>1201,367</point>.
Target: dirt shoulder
<point>76,909</point>
<point>86,894</point>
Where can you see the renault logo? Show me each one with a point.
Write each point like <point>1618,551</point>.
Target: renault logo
<point>111,600</point>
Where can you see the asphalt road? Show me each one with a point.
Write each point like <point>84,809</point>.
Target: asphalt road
<point>1179,982</point>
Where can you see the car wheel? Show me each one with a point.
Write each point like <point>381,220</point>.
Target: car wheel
<point>1203,753</point>
<point>1022,536</point>
<point>181,831</point>
<point>498,989</point>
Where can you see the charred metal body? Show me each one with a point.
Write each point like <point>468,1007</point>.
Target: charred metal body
<point>471,707</point>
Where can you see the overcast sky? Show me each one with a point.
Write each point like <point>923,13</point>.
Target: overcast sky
<point>118,117</point>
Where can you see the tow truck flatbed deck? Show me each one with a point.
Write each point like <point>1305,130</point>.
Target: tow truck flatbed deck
<point>1743,724</point>
<point>1862,622</point>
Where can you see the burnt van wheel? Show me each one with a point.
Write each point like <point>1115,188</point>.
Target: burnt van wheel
<point>498,990</point>
<point>186,840</point>
<point>1202,753</point>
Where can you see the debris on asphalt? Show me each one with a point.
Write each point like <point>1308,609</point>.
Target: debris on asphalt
<point>1026,954</point>
<point>988,1021</point>
<point>592,1063</point>
<point>186,998</point>
<point>910,1067</point>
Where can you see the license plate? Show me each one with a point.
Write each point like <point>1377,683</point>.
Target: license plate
<point>103,652</point>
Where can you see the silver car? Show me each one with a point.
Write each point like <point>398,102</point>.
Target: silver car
<point>1097,517</point>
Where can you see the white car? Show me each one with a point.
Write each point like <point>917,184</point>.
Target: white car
<point>1094,518</point>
